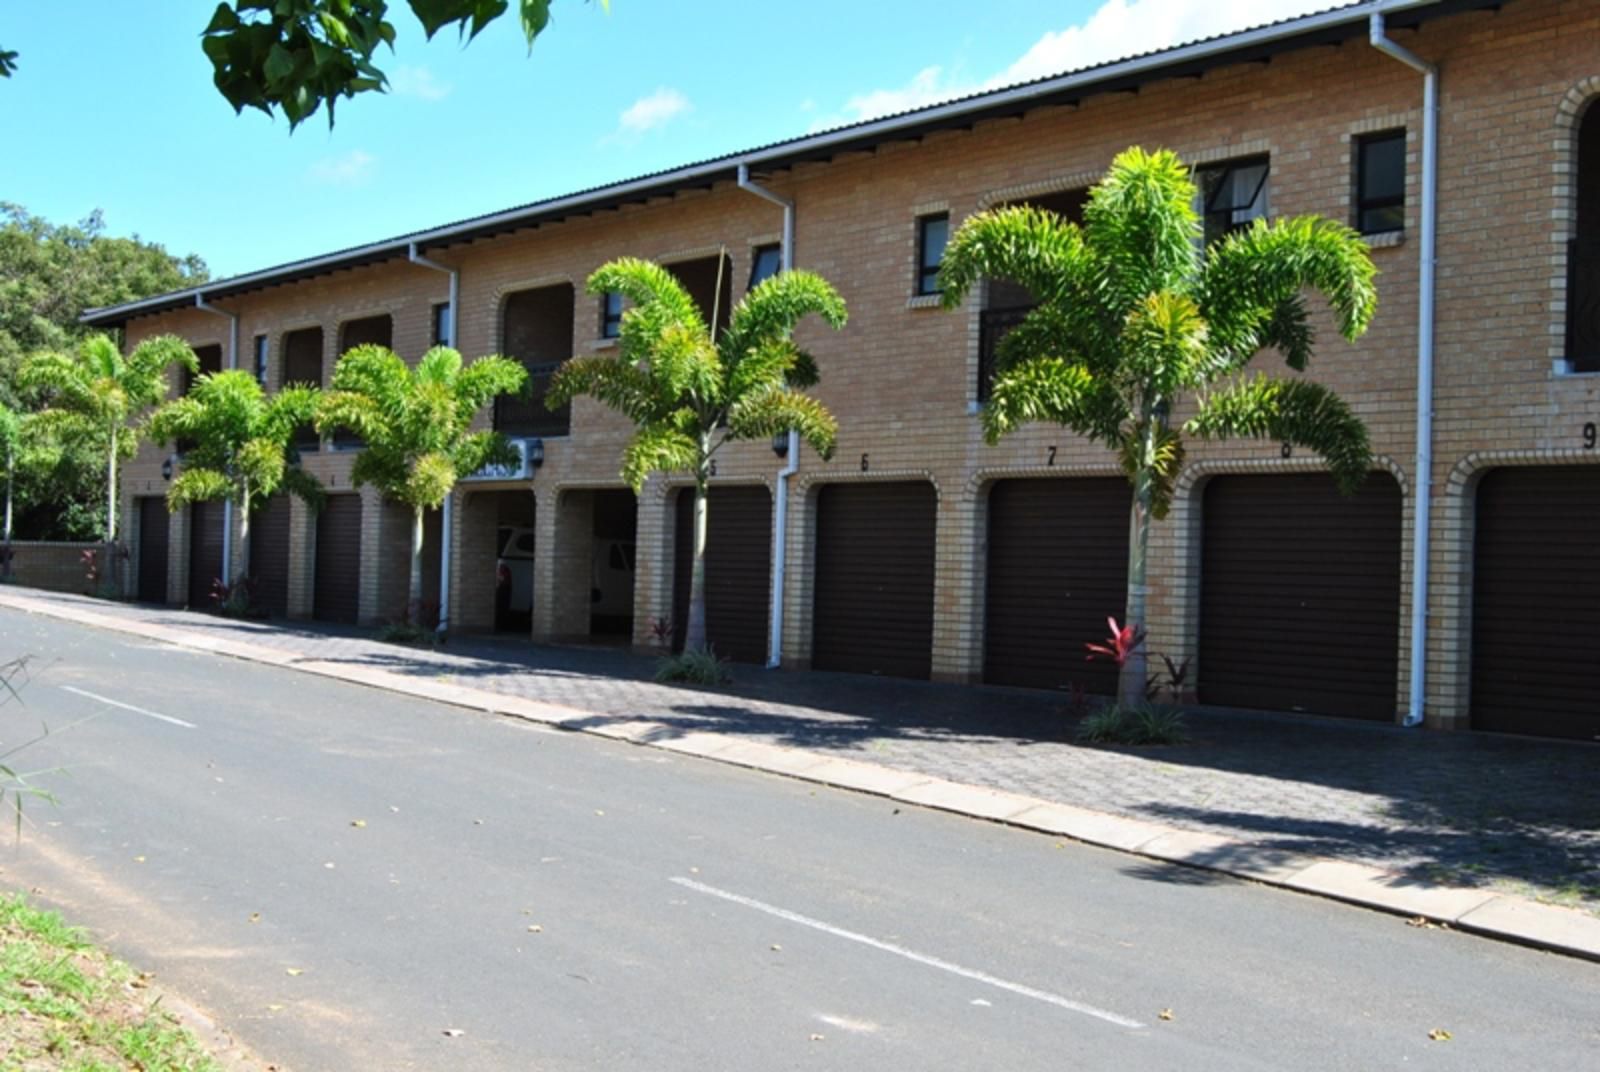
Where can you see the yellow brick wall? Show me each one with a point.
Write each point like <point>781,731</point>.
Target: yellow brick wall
<point>902,376</point>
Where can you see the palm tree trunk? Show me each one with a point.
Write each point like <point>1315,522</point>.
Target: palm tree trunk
<point>1134,675</point>
<point>241,559</point>
<point>414,596</point>
<point>695,634</point>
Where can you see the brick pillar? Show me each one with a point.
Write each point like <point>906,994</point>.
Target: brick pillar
<point>178,529</point>
<point>302,559</point>
<point>958,586</point>
<point>799,579</point>
<point>474,520</point>
<point>653,559</point>
<point>372,562</point>
<point>562,574</point>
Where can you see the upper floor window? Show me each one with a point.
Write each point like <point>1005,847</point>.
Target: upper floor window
<point>1381,182</point>
<point>442,317</point>
<point>932,234</point>
<point>261,359</point>
<point>1232,195</point>
<point>1583,252</point>
<point>611,315</point>
<point>210,358</point>
<point>764,263</point>
<point>368,331</point>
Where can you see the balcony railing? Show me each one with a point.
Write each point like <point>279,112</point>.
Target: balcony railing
<point>1583,304</point>
<point>528,416</point>
<point>993,325</point>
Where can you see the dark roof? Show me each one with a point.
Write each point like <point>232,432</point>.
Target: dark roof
<point>1330,26</point>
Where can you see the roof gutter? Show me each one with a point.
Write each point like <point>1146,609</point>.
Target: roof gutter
<point>780,505</point>
<point>233,363</point>
<point>1421,538</point>
<point>446,511</point>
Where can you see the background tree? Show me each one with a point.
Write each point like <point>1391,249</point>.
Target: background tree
<point>241,447</point>
<point>417,426</point>
<point>689,395</point>
<point>299,54</point>
<point>94,395</point>
<point>49,275</point>
<point>1133,315</point>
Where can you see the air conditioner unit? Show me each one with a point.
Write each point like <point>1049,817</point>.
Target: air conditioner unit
<point>521,469</point>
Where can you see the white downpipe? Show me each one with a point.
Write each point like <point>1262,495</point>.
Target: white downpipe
<point>1422,531</point>
<point>446,511</point>
<point>227,503</point>
<point>791,465</point>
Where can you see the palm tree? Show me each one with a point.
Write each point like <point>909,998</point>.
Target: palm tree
<point>1133,314</point>
<point>689,394</point>
<point>97,394</point>
<point>240,448</point>
<point>416,424</point>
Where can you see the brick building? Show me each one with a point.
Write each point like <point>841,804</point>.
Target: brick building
<point>921,551</point>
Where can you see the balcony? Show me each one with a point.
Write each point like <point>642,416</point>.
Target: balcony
<point>528,416</point>
<point>993,325</point>
<point>1583,305</point>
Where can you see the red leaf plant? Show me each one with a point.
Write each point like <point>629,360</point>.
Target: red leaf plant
<point>1122,643</point>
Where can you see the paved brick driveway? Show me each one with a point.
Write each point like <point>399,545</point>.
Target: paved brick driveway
<point>1463,809</point>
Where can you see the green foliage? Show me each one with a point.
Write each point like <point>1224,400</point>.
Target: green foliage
<point>300,54</point>
<point>404,632</point>
<point>240,440</point>
<point>689,393</point>
<point>695,666</point>
<point>1138,724</point>
<point>1292,411</point>
<point>416,423</point>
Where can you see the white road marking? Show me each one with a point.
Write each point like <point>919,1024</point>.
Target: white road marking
<point>129,707</point>
<point>912,955</point>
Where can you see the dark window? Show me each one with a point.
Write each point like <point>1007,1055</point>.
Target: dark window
<point>764,264</point>
<point>210,358</point>
<point>932,234</point>
<point>1381,182</point>
<point>261,360</point>
<point>302,364</point>
<point>611,315</point>
<point>441,324</point>
<point>709,281</point>
<point>1583,253</point>
<point>536,330</point>
<point>368,331</point>
<point>1232,196</point>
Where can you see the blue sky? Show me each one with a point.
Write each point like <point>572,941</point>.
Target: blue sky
<point>112,105</point>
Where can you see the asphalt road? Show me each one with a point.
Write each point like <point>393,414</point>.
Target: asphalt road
<point>348,879</point>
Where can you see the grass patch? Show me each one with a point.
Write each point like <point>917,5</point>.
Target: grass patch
<point>696,667</point>
<point>1144,724</point>
<point>65,1006</point>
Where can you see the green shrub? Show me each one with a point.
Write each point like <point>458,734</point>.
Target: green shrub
<point>1143,724</point>
<point>695,667</point>
<point>403,632</point>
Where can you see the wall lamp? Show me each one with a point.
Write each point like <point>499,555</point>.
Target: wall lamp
<point>780,444</point>
<point>535,453</point>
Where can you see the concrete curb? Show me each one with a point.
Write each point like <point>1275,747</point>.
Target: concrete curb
<point>1493,915</point>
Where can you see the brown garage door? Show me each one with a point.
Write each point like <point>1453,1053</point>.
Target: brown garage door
<point>205,552</point>
<point>1300,595</point>
<point>738,571</point>
<point>1536,602</point>
<point>337,590</point>
<point>153,546</point>
<point>1057,568</point>
<point>269,555</point>
<point>874,579</point>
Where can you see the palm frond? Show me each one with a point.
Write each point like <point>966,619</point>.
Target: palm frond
<point>644,283</point>
<point>657,448</point>
<point>774,308</point>
<point>1022,243</point>
<point>486,378</point>
<point>1164,344</point>
<point>480,449</point>
<point>1300,412</point>
<point>764,414</point>
<point>194,485</point>
<point>1250,285</point>
<point>1164,464</point>
<point>1141,223</point>
<point>624,387</point>
<point>353,410</point>
<point>305,487</point>
<point>1053,390</point>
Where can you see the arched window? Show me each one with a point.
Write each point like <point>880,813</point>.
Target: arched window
<point>1583,256</point>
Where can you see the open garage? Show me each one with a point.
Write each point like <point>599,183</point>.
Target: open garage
<point>1300,595</point>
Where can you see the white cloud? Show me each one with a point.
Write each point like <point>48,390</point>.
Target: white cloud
<point>651,113</point>
<point>419,82</point>
<point>354,168</point>
<point>1117,29</point>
